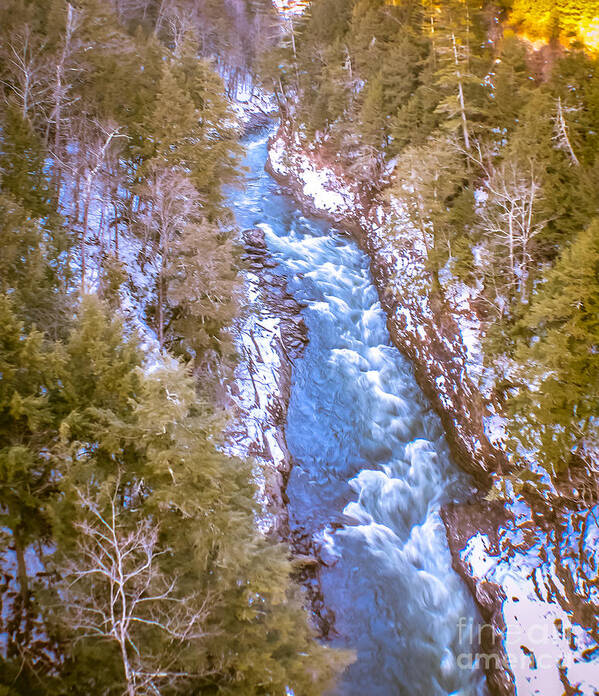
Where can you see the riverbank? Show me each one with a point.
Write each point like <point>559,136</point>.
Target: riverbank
<point>510,553</point>
<point>270,338</point>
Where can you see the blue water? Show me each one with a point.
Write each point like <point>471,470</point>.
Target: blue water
<point>370,453</point>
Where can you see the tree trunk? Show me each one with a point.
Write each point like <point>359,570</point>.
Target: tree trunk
<point>129,679</point>
<point>511,242</point>
<point>116,226</point>
<point>461,94</point>
<point>160,304</point>
<point>22,575</point>
<point>88,193</point>
<point>297,80</point>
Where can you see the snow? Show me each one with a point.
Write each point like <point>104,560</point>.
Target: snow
<point>250,101</point>
<point>495,428</point>
<point>258,378</point>
<point>327,192</point>
<point>541,635</point>
<point>291,7</point>
<point>319,185</point>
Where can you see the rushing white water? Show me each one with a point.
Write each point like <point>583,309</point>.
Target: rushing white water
<point>366,443</point>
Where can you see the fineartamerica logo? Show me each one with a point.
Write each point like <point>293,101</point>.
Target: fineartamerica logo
<point>534,648</point>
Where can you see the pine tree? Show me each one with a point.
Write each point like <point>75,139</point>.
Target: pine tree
<point>192,127</point>
<point>556,407</point>
<point>417,118</point>
<point>110,72</point>
<point>511,85</point>
<point>575,84</point>
<point>369,29</point>
<point>216,158</point>
<point>427,179</point>
<point>34,267</point>
<point>22,167</point>
<point>202,295</point>
<point>28,431</point>
<point>371,129</point>
<point>570,193</point>
<point>401,67</point>
<point>456,76</point>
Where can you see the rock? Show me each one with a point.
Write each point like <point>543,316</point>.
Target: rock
<point>255,238</point>
<point>302,561</point>
<point>462,521</point>
<point>327,556</point>
<point>279,282</point>
<point>289,305</point>
<point>255,121</point>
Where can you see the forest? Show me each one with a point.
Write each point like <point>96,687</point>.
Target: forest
<point>131,559</point>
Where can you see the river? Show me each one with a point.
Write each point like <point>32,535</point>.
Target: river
<point>371,464</point>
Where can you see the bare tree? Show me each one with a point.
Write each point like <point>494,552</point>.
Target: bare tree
<point>460,87</point>
<point>127,9</point>
<point>163,9</point>
<point>510,217</point>
<point>114,589</point>
<point>171,201</point>
<point>95,149</point>
<point>561,135</point>
<point>179,25</point>
<point>25,68</point>
<point>61,83</point>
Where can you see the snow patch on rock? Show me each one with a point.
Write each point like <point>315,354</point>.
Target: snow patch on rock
<point>321,185</point>
<point>543,641</point>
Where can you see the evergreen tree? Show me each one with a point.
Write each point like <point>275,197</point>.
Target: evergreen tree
<point>400,72</point>
<point>371,128</point>
<point>216,160</point>
<point>427,179</point>
<point>556,407</point>
<point>455,71</point>
<point>192,128</point>
<point>33,267</point>
<point>206,596</point>
<point>22,168</point>
<point>29,382</point>
<point>418,117</point>
<point>202,295</point>
<point>570,193</point>
<point>511,85</point>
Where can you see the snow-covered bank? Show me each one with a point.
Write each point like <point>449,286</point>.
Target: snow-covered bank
<point>531,562</point>
<point>533,572</point>
<point>253,107</point>
<point>269,336</point>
